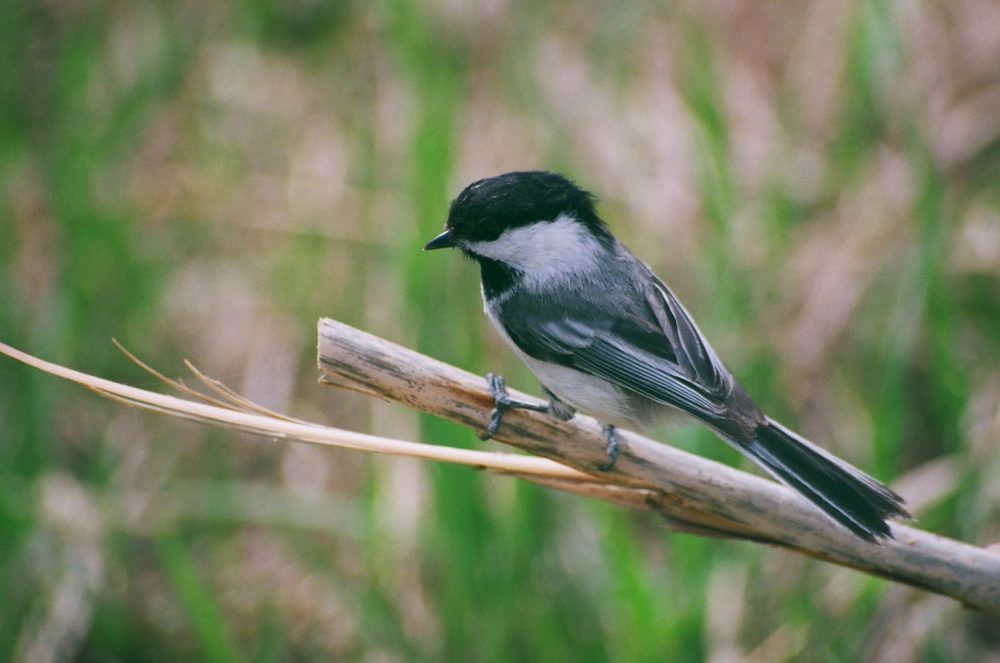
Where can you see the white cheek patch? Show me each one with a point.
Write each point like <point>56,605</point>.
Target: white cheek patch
<point>544,251</point>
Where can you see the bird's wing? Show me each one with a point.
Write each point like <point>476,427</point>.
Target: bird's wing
<point>632,353</point>
<point>695,358</point>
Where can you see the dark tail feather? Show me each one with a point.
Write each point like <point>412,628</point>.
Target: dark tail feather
<point>846,494</point>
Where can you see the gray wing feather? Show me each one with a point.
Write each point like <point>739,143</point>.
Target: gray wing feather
<point>646,375</point>
<point>694,354</point>
<point>608,355</point>
<point>642,340</point>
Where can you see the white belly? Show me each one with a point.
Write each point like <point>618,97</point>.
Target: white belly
<point>587,393</point>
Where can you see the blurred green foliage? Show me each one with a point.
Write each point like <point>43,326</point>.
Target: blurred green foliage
<point>817,181</point>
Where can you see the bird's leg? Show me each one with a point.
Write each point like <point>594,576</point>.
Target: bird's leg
<point>503,402</point>
<point>611,436</point>
<point>559,409</point>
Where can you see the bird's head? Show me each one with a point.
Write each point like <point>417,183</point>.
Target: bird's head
<point>532,222</point>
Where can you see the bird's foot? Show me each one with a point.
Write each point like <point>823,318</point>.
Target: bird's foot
<point>503,402</point>
<point>611,436</point>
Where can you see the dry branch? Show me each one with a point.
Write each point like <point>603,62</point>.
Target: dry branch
<point>694,493</point>
<point>224,408</point>
<point>237,413</point>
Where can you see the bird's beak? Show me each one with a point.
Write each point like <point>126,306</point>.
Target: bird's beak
<point>442,241</point>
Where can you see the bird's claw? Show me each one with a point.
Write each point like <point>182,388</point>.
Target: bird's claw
<point>503,402</point>
<point>611,436</point>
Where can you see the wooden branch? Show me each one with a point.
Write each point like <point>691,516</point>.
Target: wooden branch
<point>694,493</point>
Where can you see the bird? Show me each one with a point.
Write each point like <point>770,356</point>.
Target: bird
<point>605,336</point>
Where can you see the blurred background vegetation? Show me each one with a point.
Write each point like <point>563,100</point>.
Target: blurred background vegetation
<point>817,180</point>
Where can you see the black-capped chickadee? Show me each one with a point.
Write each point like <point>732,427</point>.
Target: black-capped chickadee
<point>605,336</point>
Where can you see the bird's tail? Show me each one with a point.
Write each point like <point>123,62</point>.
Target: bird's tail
<point>846,494</point>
